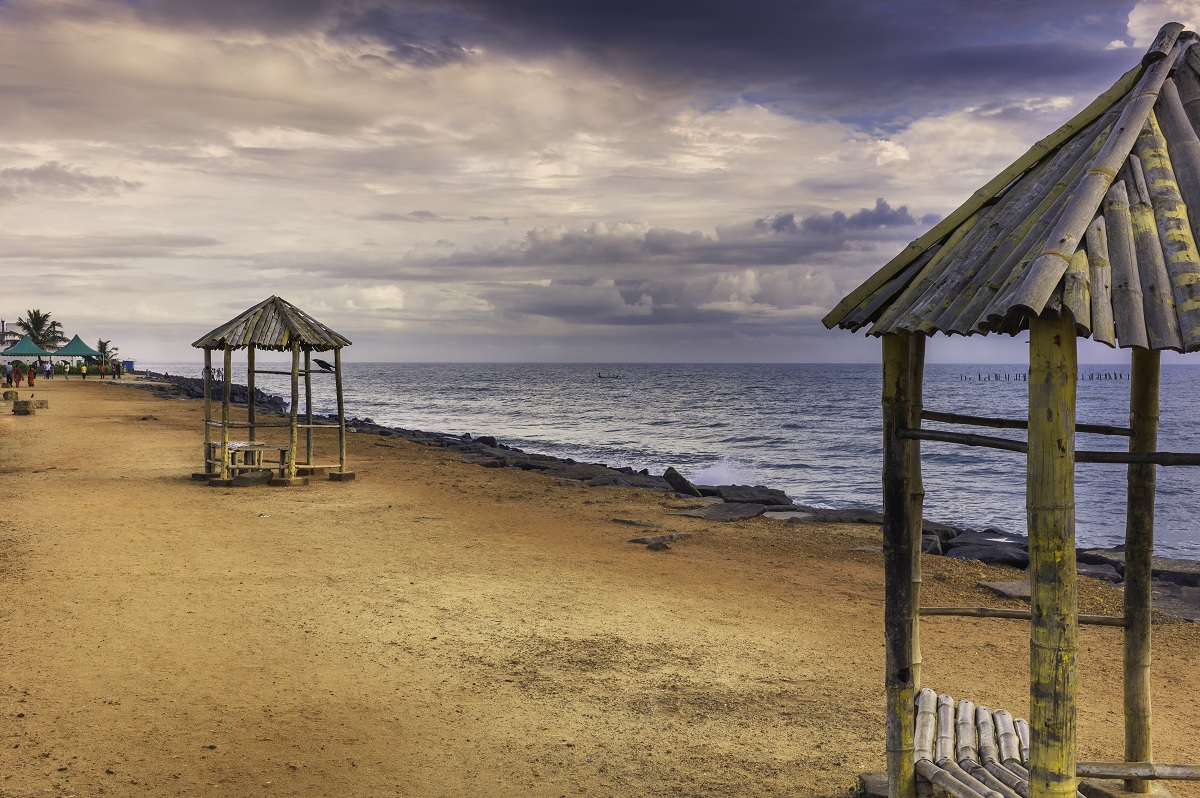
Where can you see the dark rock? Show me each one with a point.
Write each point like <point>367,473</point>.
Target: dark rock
<point>1179,572</point>
<point>249,478</point>
<point>726,512</point>
<point>148,418</point>
<point>658,546</point>
<point>872,785</point>
<point>1180,601</point>
<point>652,539</point>
<point>1114,557</point>
<point>994,555</point>
<point>486,440</point>
<point>985,539</point>
<point>745,494</point>
<point>1106,572</point>
<point>943,531</point>
<point>639,522</point>
<point>1018,589</point>
<point>679,482</point>
<point>931,544</point>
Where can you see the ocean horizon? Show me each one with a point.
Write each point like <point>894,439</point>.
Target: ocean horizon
<point>812,430</point>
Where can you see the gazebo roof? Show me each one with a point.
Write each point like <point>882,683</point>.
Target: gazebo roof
<point>25,348</point>
<point>273,324</point>
<point>77,348</point>
<point>1100,218</point>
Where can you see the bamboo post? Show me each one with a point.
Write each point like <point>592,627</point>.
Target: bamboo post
<point>207,410</point>
<point>1139,548</point>
<point>916,493</point>
<point>1050,503</point>
<point>250,391</point>
<point>341,408</point>
<point>899,578</point>
<point>227,386</point>
<point>295,409</point>
<point>308,432</point>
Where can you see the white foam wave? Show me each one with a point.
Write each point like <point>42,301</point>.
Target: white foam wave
<point>728,471</point>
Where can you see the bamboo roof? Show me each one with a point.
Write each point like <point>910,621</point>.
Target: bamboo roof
<point>274,324</point>
<point>1100,218</point>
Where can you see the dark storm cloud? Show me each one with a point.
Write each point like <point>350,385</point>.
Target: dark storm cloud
<point>56,181</point>
<point>864,60</point>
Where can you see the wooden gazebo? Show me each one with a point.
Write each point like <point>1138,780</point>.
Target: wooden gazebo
<point>278,326</point>
<point>1091,233</point>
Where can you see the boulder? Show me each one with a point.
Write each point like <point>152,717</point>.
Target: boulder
<point>985,539</point>
<point>23,407</point>
<point>1098,571</point>
<point>745,494</point>
<point>1179,572</point>
<point>1002,554</point>
<point>726,512</point>
<point>680,483</point>
<point>931,544</point>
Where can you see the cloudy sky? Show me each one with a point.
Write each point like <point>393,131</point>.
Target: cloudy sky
<point>516,179</point>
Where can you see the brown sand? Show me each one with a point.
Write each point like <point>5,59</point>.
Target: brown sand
<point>439,629</point>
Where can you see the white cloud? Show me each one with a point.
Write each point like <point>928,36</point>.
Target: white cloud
<point>1148,16</point>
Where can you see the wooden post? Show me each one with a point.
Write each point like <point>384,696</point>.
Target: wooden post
<point>341,408</point>
<point>250,388</point>
<point>899,614</point>
<point>1139,548</point>
<point>308,430</point>
<point>227,386</point>
<point>207,409</point>
<point>1050,504</point>
<point>916,493</point>
<point>291,461</point>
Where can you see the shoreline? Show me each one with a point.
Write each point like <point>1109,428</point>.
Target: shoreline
<point>434,628</point>
<point>1179,576</point>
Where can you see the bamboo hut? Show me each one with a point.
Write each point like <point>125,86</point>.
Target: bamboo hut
<point>274,325</point>
<point>1091,233</point>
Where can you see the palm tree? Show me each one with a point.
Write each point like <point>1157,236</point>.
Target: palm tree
<point>42,330</point>
<point>107,353</point>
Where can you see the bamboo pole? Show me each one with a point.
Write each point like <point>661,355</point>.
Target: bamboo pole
<point>341,408</point>
<point>965,748</point>
<point>1077,293</point>
<point>1139,549</point>
<point>944,747</point>
<point>1016,423</point>
<point>1013,614</point>
<point>1162,326</point>
<point>1138,770</point>
<point>1006,738</point>
<point>916,492</point>
<point>308,413</point>
<point>1021,727</point>
<point>988,750</point>
<point>250,390</point>
<point>985,194</point>
<point>207,410</point>
<point>1128,315</point>
<point>1172,221</point>
<point>942,779</point>
<point>1050,264</point>
<point>899,604</point>
<point>1050,499</point>
<point>227,386</point>
<point>1081,455</point>
<point>1100,279</point>
<point>925,728</point>
<point>291,460</point>
<point>1188,83</point>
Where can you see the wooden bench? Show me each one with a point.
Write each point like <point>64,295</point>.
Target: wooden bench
<point>239,456</point>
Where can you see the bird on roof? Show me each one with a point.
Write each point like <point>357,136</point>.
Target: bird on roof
<point>323,364</point>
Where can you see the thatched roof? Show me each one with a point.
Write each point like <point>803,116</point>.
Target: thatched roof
<point>1100,218</point>
<point>273,324</point>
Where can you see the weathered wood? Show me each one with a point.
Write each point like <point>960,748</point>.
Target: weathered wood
<point>207,409</point>
<point>341,409</point>
<point>1100,281</point>
<point>1128,315</point>
<point>899,603</point>
<point>928,276</point>
<point>1081,455</point>
<point>308,409</point>
<point>942,779</point>
<point>1138,770</point>
<point>227,390</point>
<point>294,409</point>
<point>1188,83</point>
<point>1006,738</point>
<point>1050,264</point>
<point>925,728</point>
<point>250,404</point>
<point>1174,226</point>
<point>1163,43</point>
<point>1077,293</point>
<point>943,751</point>
<point>1139,549</point>
<point>1050,501</point>
<point>988,750</point>
<point>1021,727</point>
<point>1014,614</point>
<point>986,193</point>
<point>1016,423</point>
<point>965,748</point>
<point>1162,327</point>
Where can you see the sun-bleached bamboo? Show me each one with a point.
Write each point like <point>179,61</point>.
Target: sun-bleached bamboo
<point>1100,282</point>
<point>1050,502</point>
<point>985,194</point>
<point>1128,315</point>
<point>1174,226</point>
<point>1047,269</point>
<point>944,748</point>
<point>1139,550</point>
<point>1162,328</point>
<point>1138,770</point>
<point>1077,292</point>
<point>1013,614</point>
<point>925,727</point>
<point>899,605</point>
<point>965,747</point>
<point>1016,423</point>
<point>226,392</point>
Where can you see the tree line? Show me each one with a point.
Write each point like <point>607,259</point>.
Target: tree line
<point>47,333</point>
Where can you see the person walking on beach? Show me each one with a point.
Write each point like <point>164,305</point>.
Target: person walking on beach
<point>48,370</point>
<point>32,373</point>
<point>18,374</point>
<point>8,374</point>
<point>83,370</point>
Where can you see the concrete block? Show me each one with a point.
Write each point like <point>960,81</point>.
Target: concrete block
<point>341,476</point>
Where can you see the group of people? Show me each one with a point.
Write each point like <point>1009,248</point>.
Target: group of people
<point>14,374</point>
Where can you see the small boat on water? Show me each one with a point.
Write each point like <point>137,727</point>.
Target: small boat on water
<point>600,375</point>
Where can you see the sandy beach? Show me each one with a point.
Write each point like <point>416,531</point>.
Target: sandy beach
<point>434,628</point>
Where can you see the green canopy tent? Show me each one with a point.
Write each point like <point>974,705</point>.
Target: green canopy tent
<point>26,348</point>
<point>76,348</point>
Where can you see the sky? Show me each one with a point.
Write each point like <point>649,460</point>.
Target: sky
<point>518,180</point>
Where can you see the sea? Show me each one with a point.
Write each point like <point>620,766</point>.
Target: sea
<point>812,430</point>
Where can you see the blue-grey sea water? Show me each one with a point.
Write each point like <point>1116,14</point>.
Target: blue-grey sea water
<point>812,430</point>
